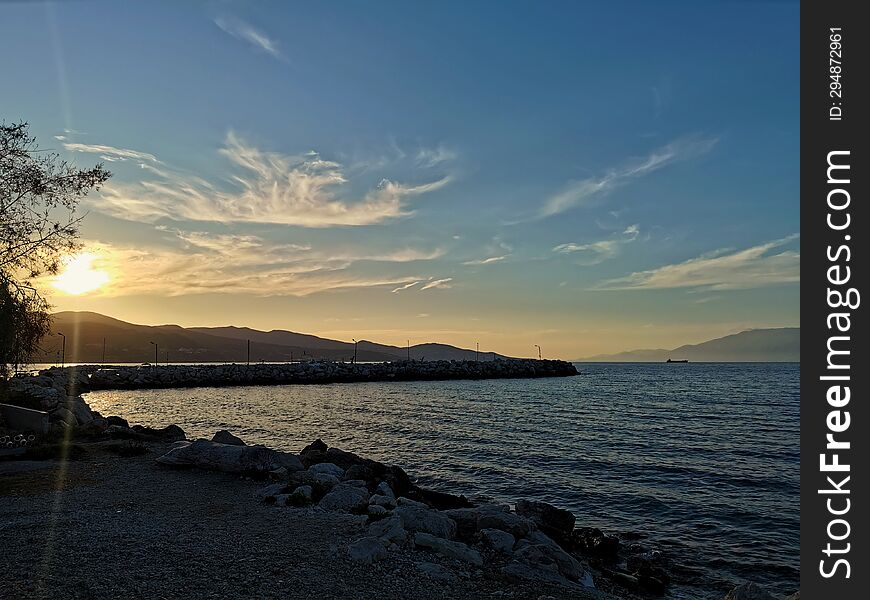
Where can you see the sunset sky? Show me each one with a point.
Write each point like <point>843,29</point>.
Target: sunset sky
<point>510,173</point>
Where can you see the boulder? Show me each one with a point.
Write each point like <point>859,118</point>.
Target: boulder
<point>383,501</point>
<point>539,544</point>
<point>225,437</point>
<point>539,563</point>
<point>506,521</point>
<point>64,415</point>
<point>415,518</point>
<point>118,421</point>
<point>555,522</point>
<point>592,541</point>
<point>170,433</point>
<point>366,550</point>
<point>377,511</point>
<point>269,492</point>
<point>327,480</point>
<point>448,548</point>
<point>390,530</point>
<point>500,541</point>
<point>345,498</point>
<point>80,409</point>
<point>748,591</point>
<point>442,500</point>
<point>328,468</point>
<point>303,495</point>
<point>384,489</point>
<point>205,454</point>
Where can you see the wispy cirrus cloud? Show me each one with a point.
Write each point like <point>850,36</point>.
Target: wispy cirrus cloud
<point>242,264</point>
<point>585,191</point>
<point>109,153</point>
<point>486,261</point>
<point>438,284</point>
<point>405,287</point>
<point>757,266</point>
<point>267,187</point>
<point>593,253</point>
<point>247,33</point>
<point>432,157</point>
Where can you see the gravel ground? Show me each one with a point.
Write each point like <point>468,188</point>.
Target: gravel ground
<point>104,526</point>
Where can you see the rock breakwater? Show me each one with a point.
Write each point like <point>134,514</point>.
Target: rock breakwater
<point>87,378</point>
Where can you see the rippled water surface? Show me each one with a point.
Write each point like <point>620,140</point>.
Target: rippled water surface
<point>702,458</point>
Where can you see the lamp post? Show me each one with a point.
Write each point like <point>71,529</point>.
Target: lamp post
<point>155,353</point>
<point>539,352</point>
<point>355,344</point>
<point>409,349</point>
<point>63,349</point>
<point>477,353</point>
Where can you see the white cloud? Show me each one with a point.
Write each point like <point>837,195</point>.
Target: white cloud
<point>247,33</point>
<point>432,157</point>
<point>758,266</point>
<point>438,284</point>
<point>405,287</point>
<point>110,153</point>
<point>585,191</point>
<point>594,253</point>
<point>227,263</point>
<point>486,261</point>
<point>268,188</point>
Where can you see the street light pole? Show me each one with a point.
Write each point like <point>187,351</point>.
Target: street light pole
<point>539,352</point>
<point>155,353</point>
<point>63,349</point>
<point>477,353</point>
<point>355,344</point>
<point>409,349</point>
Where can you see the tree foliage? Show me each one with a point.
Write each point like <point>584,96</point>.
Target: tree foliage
<point>39,226</point>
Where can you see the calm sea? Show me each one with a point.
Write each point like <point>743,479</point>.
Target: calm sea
<point>701,458</point>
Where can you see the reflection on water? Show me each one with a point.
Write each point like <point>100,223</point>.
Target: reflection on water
<point>701,457</point>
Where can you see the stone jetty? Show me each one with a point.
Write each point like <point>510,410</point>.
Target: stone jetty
<point>90,378</point>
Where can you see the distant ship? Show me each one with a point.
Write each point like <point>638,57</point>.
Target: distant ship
<point>677,361</point>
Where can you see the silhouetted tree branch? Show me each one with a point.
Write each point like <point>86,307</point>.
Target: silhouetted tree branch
<point>39,195</point>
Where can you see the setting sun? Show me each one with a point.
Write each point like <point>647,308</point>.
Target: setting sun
<point>79,276</point>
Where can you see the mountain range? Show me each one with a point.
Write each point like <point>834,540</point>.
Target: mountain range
<point>755,345</point>
<point>130,343</point>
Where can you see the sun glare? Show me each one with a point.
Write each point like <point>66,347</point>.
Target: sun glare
<point>79,276</point>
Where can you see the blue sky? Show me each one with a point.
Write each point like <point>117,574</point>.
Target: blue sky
<point>587,176</point>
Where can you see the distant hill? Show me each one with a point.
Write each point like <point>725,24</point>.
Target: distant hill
<point>755,345</point>
<point>131,343</point>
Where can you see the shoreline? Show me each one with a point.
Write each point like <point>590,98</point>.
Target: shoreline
<point>547,549</point>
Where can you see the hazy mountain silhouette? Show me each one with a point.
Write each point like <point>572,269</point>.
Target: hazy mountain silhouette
<point>755,345</point>
<point>128,342</point>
